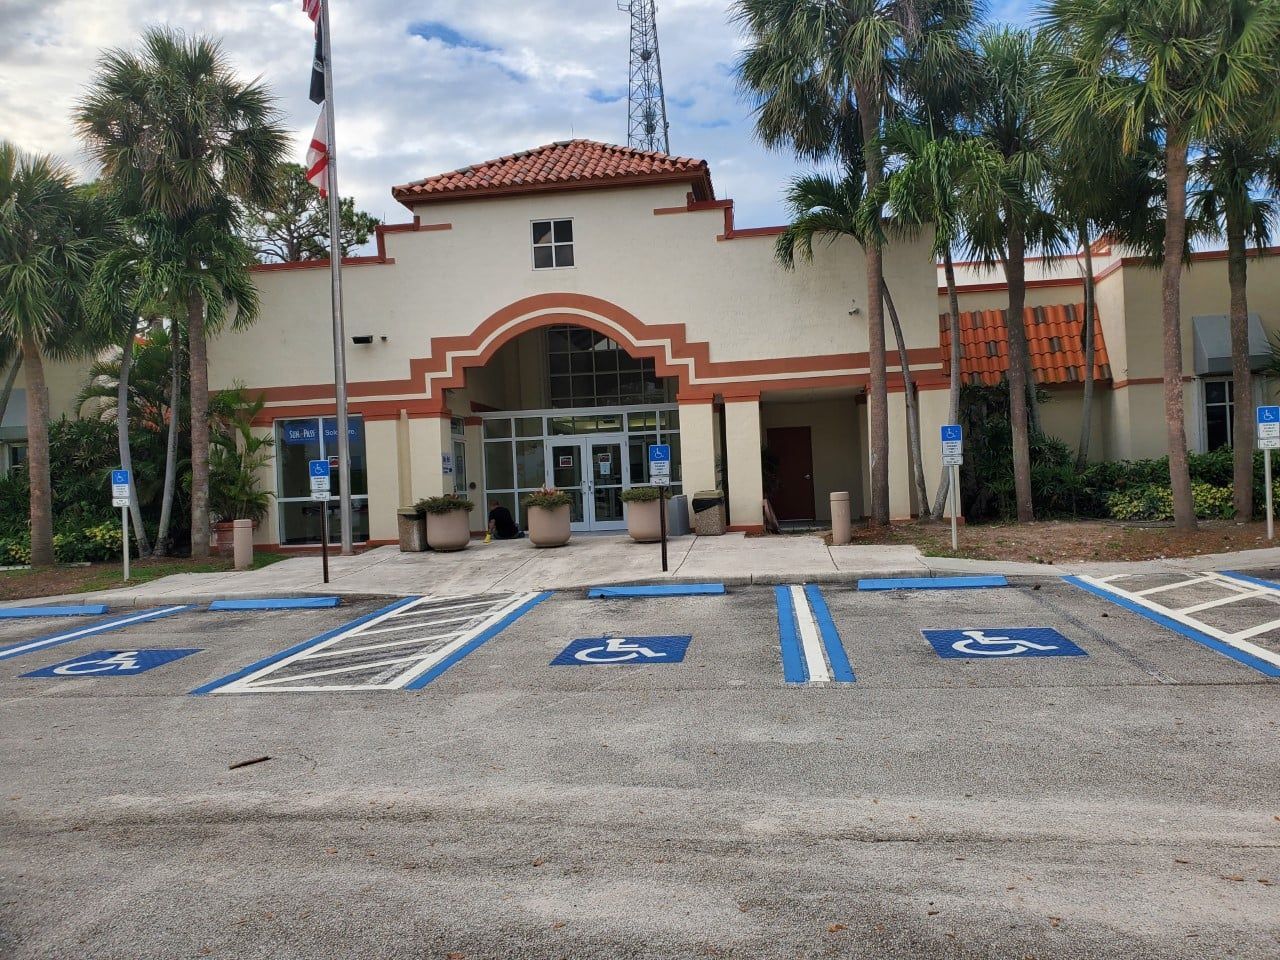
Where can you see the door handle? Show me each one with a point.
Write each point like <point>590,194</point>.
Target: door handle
<point>808,476</point>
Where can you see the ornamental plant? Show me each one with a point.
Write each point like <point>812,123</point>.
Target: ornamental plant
<point>642,494</point>
<point>445,504</point>
<point>548,498</point>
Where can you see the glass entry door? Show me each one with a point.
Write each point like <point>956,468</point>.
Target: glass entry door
<point>607,482</point>
<point>592,471</point>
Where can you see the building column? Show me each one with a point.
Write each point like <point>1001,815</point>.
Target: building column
<point>404,469</point>
<point>429,439</point>
<point>900,485</point>
<point>474,434</point>
<point>697,446</point>
<point>745,476</point>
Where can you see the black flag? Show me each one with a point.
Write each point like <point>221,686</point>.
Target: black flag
<point>317,69</point>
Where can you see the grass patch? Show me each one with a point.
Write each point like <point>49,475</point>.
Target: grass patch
<point>54,581</point>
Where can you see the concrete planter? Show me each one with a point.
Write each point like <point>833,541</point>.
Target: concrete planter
<point>412,530</point>
<point>548,528</point>
<point>227,534</point>
<point>644,520</point>
<point>449,531</point>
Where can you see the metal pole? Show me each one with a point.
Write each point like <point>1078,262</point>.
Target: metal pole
<point>662,523</point>
<point>335,274</point>
<point>124,539</point>
<point>955,508</point>
<point>324,538</point>
<point>1266,466</point>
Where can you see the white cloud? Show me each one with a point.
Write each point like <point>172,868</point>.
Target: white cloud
<point>409,107</point>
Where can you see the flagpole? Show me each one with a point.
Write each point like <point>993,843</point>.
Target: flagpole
<point>335,274</point>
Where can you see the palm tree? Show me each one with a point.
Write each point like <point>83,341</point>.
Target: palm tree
<point>938,179</point>
<point>1011,64</point>
<point>47,246</point>
<point>10,359</point>
<point>826,209</point>
<point>824,76</point>
<point>181,137</point>
<point>1232,178</point>
<point>1190,69</point>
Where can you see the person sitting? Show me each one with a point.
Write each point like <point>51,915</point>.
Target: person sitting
<point>501,524</point>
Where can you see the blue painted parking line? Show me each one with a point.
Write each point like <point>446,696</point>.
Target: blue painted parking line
<point>933,583</point>
<point>811,647</point>
<point>299,647</point>
<point>115,623</point>
<point>1232,650</point>
<point>486,635</point>
<point>792,662</point>
<point>841,669</point>
<point>282,603</point>
<point>1245,578</point>
<point>82,610</point>
<point>658,590</point>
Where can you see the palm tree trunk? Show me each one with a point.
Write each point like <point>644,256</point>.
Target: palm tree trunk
<point>953,394</point>
<point>171,448</point>
<point>1241,375</point>
<point>877,387</point>
<point>1175,243</point>
<point>10,379</point>
<point>199,387</point>
<point>913,405</point>
<point>1089,343</point>
<point>38,454</point>
<point>122,436</point>
<point>1015,270</point>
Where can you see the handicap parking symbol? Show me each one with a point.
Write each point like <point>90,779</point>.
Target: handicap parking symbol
<point>112,663</point>
<point>594,651</point>
<point>997,642</point>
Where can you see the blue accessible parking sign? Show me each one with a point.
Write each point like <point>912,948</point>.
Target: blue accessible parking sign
<point>112,663</point>
<point>604,650</point>
<point>997,642</point>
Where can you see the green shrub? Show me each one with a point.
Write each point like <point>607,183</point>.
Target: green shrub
<point>15,551</point>
<point>70,545</point>
<point>1155,502</point>
<point>446,504</point>
<point>641,494</point>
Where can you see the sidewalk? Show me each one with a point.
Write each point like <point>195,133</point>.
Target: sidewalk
<point>599,560</point>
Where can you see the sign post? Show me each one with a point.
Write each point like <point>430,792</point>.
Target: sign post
<point>319,472</point>
<point>120,498</point>
<point>1268,440</point>
<point>952,458</point>
<point>660,477</point>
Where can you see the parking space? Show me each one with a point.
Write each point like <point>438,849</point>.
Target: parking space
<point>223,641</point>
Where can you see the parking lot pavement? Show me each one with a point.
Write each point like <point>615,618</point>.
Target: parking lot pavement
<point>1101,786</point>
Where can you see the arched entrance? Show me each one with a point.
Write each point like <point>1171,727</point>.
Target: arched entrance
<point>564,405</point>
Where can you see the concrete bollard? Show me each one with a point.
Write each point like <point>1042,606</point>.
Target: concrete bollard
<point>242,544</point>
<point>841,519</point>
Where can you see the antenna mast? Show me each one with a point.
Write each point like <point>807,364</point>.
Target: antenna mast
<point>646,103</point>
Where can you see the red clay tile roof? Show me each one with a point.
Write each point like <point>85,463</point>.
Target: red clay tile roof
<point>566,165</point>
<point>1053,338</point>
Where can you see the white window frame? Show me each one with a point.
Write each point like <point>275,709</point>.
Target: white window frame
<point>572,244</point>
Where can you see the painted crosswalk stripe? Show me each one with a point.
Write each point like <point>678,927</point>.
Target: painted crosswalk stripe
<point>811,648</point>
<point>67,636</point>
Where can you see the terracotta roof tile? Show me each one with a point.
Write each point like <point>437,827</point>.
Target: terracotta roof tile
<point>1053,339</point>
<point>568,164</point>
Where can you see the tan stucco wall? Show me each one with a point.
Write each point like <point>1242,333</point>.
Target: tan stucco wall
<point>837,447</point>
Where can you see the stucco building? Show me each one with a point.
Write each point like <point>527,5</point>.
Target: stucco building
<point>545,315</point>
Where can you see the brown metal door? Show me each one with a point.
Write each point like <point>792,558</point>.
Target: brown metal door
<point>793,447</point>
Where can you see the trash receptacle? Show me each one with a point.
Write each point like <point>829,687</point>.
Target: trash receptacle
<point>678,516</point>
<point>708,513</point>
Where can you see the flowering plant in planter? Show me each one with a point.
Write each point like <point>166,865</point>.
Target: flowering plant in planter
<point>644,512</point>
<point>445,504</point>
<point>548,498</point>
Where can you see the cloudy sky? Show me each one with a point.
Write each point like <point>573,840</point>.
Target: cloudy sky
<point>423,86</point>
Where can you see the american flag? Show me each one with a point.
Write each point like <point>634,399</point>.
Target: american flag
<point>318,156</point>
<point>311,8</point>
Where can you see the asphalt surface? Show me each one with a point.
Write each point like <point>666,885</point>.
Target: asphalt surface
<point>1120,804</point>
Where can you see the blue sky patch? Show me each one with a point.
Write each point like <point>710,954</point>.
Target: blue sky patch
<point>434,30</point>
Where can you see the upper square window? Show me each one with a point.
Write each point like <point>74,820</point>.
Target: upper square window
<point>552,244</point>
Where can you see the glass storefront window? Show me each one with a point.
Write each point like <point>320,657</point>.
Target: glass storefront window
<point>497,429</point>
<point>300,440</point>
<point>528,426</point>
<point>498,471</point>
